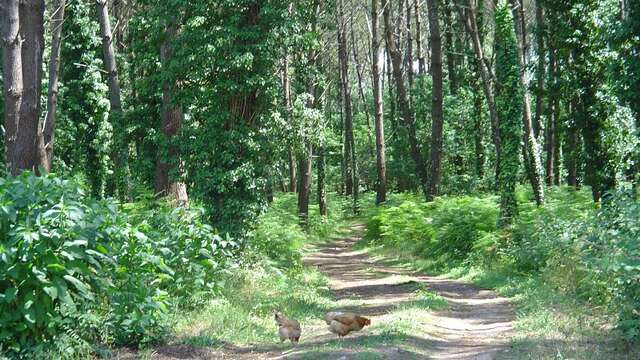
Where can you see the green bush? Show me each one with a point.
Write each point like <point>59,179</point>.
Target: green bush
<point>449,228</point>
<point>93,270</point>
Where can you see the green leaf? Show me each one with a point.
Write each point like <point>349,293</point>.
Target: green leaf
<point>75,243</point>
<point>30,316</point>
<point>52,291</point>
<point>10,294</point>
<point>56,266</point>
<point>82,287</point>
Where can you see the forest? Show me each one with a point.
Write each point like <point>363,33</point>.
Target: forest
<point>446,179</point>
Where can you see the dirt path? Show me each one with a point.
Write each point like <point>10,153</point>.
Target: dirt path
<point>475,325</point>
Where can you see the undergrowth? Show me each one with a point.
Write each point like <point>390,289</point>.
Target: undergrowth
<point>572,269</point>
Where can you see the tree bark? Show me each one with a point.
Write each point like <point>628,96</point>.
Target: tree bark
<point>407,115</point>
<point>305,166</point>
<point>381,167</point>
<point>531,151</point>
<point>12,77</point>
<point>477,126</point>
<point>322,196</point>
<point>286,87</point>
<point>32,34</point>
<point>120,151</point>
<point>435,160</point>
<point>346,102</point>
<point>169,167</point>
<point>46,143</point>
<point>422,67</point>
<point>409,56</point>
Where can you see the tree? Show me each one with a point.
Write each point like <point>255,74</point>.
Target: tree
<point>509,100</point>
<point>349,147</point>
<point>437,118</point>
<point>381,167</point>
<point>530,150</point>
<point>121,147</point>
<point>407,115</point>
<point>45,146</point>
<point>12,76</point>
<point>23,44</point>
<point>470,21</point>
<point>169,166</point>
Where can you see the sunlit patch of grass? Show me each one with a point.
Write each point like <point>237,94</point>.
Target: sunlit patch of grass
<point>244,314</point>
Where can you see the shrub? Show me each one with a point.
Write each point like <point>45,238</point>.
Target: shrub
<point>71,264</point>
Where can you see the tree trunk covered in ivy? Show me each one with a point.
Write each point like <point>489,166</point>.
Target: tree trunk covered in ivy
<point>531,152</point>
<point>120,151</point>
<point>509,98</point>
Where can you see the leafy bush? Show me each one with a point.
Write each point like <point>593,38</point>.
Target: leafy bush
<point>71,264</point>
<point>53,257</point>
<point>447,227</point>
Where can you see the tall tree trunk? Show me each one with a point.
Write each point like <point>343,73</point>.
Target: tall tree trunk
<point>32,35</point>
<point>286,88</point>
<point>471,25</point>
<point>46,138</point>
<point>346,101</point>
<point>477,126</point>
<point>540,91</point>
<point>169,167</point>
<point>435,160</point>
<point>409,46</point>
<point>531,151</point>
<point>12,77</point>
<point>450,49</point>
<point>552,119</point>
<point>407,115</point>
<point>422,67</point>
<point>359,74</point>
<point>381,167</point>
<point>322,196</point>
<point>572,148</point>
<point>121,151</point>
<point>305,166</point>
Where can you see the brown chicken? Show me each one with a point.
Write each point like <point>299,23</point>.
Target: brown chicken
<point>289,329</point>
<point>342,323</point>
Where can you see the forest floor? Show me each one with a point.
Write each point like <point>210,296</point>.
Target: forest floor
<point>413,316</point>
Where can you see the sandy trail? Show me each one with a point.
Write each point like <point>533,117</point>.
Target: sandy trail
<point>476,325</point>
